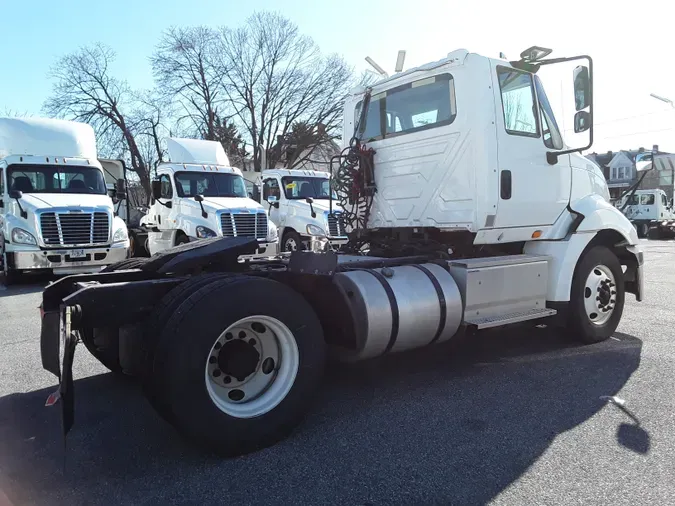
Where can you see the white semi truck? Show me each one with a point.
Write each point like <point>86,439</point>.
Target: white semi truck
<point>302,207</point>
<point>55,212</point>
<point>198,195</point>
<point>462,216</point>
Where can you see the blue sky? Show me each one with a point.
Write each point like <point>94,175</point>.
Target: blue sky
<point>631,48</point>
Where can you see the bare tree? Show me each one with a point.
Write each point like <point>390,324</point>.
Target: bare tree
<point>185,71</point>
<point>84,90</point>
<point>275,77</point>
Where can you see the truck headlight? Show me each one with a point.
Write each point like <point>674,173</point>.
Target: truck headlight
<point>272,232</point>
<point>205,233</point>
<point>20,236</point>
<point>315,230</point>
<point>120,235</point>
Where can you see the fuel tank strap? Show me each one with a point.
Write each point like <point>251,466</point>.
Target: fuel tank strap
<point>392,303</point>
<point>441,301</point>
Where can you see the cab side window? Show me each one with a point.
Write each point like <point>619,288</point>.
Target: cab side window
<point>167,190</point>
<point>647,200</point>
<point>518,102</point>
<point>271,187</point>
<point>664,200</point>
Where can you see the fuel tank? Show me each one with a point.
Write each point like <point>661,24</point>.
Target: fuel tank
<point>398,308</point>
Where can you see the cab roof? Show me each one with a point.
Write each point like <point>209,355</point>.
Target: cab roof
<point>196,151</point>
<point>46,137</point>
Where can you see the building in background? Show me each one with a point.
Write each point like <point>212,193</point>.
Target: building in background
<point>619,170</point>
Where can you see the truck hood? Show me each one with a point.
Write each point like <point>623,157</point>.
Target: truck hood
<point>35,201</point>
<point>218,203</point>
<point>320,205</point>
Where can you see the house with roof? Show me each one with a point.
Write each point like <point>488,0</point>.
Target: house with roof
<point>620,173</point>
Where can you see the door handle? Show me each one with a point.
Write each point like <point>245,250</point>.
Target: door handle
<point>505,185</point>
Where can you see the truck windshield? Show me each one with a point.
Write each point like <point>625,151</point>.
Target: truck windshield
<point>56,179</point>
<point>303,187</point>
<point>190,184</point>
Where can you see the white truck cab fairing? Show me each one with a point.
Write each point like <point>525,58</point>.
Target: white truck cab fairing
<point>55,212</point>
<point>292,196</point>
<point>198,195</point>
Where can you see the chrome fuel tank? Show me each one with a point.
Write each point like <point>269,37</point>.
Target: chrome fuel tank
<point>398,308</point>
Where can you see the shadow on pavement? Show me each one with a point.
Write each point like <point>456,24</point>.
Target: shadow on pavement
<point>28,283</point>
<point>446,425</point>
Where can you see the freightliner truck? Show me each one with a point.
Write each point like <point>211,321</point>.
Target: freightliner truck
<point>55,211</point>
<point>461,215</point>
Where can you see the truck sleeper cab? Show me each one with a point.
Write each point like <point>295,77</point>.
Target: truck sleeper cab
<point>300,207</point>
<point>55,212</point>
<point>203,197</point>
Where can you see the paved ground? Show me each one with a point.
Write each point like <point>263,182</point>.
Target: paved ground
<point>512,418</point>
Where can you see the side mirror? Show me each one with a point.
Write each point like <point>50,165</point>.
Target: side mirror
<point>199,198</point>
<point>156,190</point>
<point>643,161</point>
<point>15,194</point>
<point>582,88</point>
<point>121,186</point>
<point>309,200</point>
<point>121,195</point>
<point>582,121</point>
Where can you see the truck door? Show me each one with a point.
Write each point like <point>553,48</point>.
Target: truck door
<point>276,212</point>
<point>532,191</point>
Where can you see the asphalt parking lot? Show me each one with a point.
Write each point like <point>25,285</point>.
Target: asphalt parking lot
<point>512,417</point>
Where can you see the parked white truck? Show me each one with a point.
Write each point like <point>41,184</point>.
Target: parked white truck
<point>301,207</point>
<point>198,195</point>
<point>506,225</point>
<point>55,212</point>
<point>647,208</point>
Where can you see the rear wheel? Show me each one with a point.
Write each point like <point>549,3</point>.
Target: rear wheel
<point>154,326</point>
<point>597,297</point>
<point>643,230</point>
<point>251,369</point>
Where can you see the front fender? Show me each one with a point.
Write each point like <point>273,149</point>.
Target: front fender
<point>601,215</point>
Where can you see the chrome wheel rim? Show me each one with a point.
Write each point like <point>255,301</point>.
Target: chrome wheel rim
<point>252,366</point>
<point>600,295</point>
<point>290,244</point>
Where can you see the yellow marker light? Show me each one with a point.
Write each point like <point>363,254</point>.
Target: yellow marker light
<point>536,234</point>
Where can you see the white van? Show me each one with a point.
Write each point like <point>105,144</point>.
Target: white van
<point>55,211</point>
<point>198,195</point>
<point>299,206</point>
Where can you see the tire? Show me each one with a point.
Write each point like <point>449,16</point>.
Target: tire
<point>643,230</point>
<point>154,326</point>
<point>655,233</point>
<point>184,360</point>
<point>595,269</point>
<point>181,238</point>
<point>9,276</point>
<point>129,263</point>
<point>292,238</point>
<point>103,343</point>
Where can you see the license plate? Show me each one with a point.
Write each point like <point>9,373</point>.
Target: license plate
<point>77,253</point>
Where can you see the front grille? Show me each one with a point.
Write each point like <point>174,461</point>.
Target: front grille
<point>70,229</point>
<point>244,225</point>
<point>335,225</point>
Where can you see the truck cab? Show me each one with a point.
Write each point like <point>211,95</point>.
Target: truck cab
<point>55,211</point>
<point>646,206</point>
<point>300,206</point>
<point>198,195</point>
